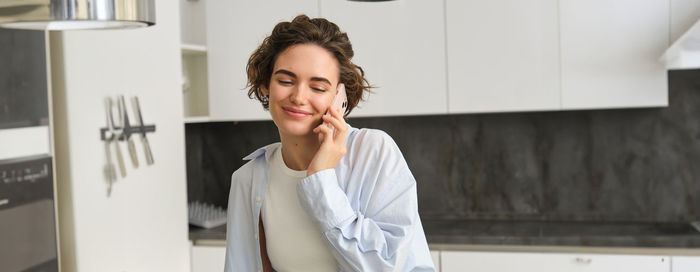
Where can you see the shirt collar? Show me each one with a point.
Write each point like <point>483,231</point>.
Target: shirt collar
<point>267,150</point>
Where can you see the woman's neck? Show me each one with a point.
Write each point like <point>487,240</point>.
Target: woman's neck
<point>298,151</point>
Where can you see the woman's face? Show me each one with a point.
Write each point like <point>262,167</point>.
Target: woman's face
<point>303,84</point>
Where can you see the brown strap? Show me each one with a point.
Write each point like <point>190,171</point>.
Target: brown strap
<point>267,266</point>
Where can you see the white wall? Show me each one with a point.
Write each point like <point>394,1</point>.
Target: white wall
<point>143,225</point>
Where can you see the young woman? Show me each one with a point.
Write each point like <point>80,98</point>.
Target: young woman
<point>346,202</point>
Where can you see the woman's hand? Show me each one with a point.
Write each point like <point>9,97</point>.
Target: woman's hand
<point>332,147</point>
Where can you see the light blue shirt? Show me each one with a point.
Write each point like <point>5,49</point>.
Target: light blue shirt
<point>366,208</point>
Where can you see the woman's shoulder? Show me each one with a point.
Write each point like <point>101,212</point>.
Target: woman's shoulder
<point>372,135</point>
<point>243,175</point>
<point>371,141</point>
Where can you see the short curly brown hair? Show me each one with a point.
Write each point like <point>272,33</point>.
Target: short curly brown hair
<point>303,30</point>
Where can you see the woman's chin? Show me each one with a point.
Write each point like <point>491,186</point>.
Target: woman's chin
<point>297,129</point>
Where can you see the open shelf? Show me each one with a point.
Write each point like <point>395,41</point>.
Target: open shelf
<point>193,49</point>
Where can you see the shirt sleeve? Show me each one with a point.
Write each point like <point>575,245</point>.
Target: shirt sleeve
<point>380,239</point>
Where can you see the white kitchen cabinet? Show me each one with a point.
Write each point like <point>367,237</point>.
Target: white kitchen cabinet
<point>452,261</point>
<point>502,55</point>
<point>435,255</point>
<point>684,13</point>
<point>401,47</point>
<point>208,258</point>
<point>234,31</point>
<point>685,263</point>
<point>685,30</point>
<point>610,53</point>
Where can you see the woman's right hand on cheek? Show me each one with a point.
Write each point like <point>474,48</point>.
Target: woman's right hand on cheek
<point>332,147</point>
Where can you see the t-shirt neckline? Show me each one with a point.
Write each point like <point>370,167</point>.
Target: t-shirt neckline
<point>279,161</point>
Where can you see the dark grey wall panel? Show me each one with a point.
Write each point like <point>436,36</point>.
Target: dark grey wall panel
<point>23,82</point>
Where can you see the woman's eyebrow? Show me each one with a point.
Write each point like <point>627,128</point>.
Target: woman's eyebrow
<point>282,71</point>
<point>289,73</point>
<point>322,79</point>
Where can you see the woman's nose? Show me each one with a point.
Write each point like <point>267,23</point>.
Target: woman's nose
<point>300,94</point>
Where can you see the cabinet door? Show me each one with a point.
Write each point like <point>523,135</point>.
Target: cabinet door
<point>401,47</point>
<point>610,53</point>
<point>684,13</point>
<point>502,55</point>
<point>685,264</point>
<point>208,258</point>
<point>234,31</point>
<point>435,255</point>
<point>452,261</point>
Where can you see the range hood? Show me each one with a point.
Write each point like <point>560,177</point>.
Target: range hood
<point>76,14</point>
<point>684,53</point>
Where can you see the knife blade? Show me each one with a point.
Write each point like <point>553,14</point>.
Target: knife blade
<point>144,139</point>
<point>108,169</point>
<point>127,130</point>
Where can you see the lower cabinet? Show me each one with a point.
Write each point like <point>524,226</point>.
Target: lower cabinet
<point>452,261</point>
<point>685,264</point>
<point>212,258</point>
<point>208,258</point>
<point>436,259</point>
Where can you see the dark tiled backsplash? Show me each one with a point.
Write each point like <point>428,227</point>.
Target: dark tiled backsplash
<point>601,165</point>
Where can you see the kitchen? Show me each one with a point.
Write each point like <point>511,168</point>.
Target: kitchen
<point>548,135</point>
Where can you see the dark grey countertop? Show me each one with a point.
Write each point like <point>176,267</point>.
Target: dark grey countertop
<point>540,233</point>
<point>563,233</point>
<point>218,233</point>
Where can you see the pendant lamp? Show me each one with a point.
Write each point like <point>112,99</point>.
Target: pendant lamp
<point>76,14</point>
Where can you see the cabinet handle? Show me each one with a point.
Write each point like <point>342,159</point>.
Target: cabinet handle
<point>583,260</point>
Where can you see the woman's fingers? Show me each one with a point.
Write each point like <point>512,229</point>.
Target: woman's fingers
<point>326,131</point>
<point>339,124</point>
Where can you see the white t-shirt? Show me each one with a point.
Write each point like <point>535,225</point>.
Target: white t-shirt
<point>294,241</point>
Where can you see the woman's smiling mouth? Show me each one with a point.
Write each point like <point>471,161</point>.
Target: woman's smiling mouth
<point>295,113</point>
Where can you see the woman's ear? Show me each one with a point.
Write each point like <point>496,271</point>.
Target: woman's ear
<point>265,91</point>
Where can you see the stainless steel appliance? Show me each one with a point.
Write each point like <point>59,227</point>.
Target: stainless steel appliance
<point>27,225</point>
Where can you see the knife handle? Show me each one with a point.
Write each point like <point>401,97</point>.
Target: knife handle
<point>147,150</point>
<point>120,159</point>
<point>132,153</point>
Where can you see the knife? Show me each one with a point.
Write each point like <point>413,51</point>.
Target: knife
<point>127,130</point>
<point>144,140</point>
<point>108,169</point>
<point>116,134</point>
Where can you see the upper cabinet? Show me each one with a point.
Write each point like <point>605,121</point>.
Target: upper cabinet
<point>684,13</point>
<point>610,52</point>
<point>454,56</point>
<point>684,53</point>
<point>401,47</point>
<point>234,31</point>
<point>502,55</point>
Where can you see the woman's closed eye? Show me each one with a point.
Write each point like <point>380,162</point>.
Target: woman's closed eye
<point>290,83</point>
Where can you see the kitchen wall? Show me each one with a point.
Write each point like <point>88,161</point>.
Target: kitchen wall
<point>624,164</point>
